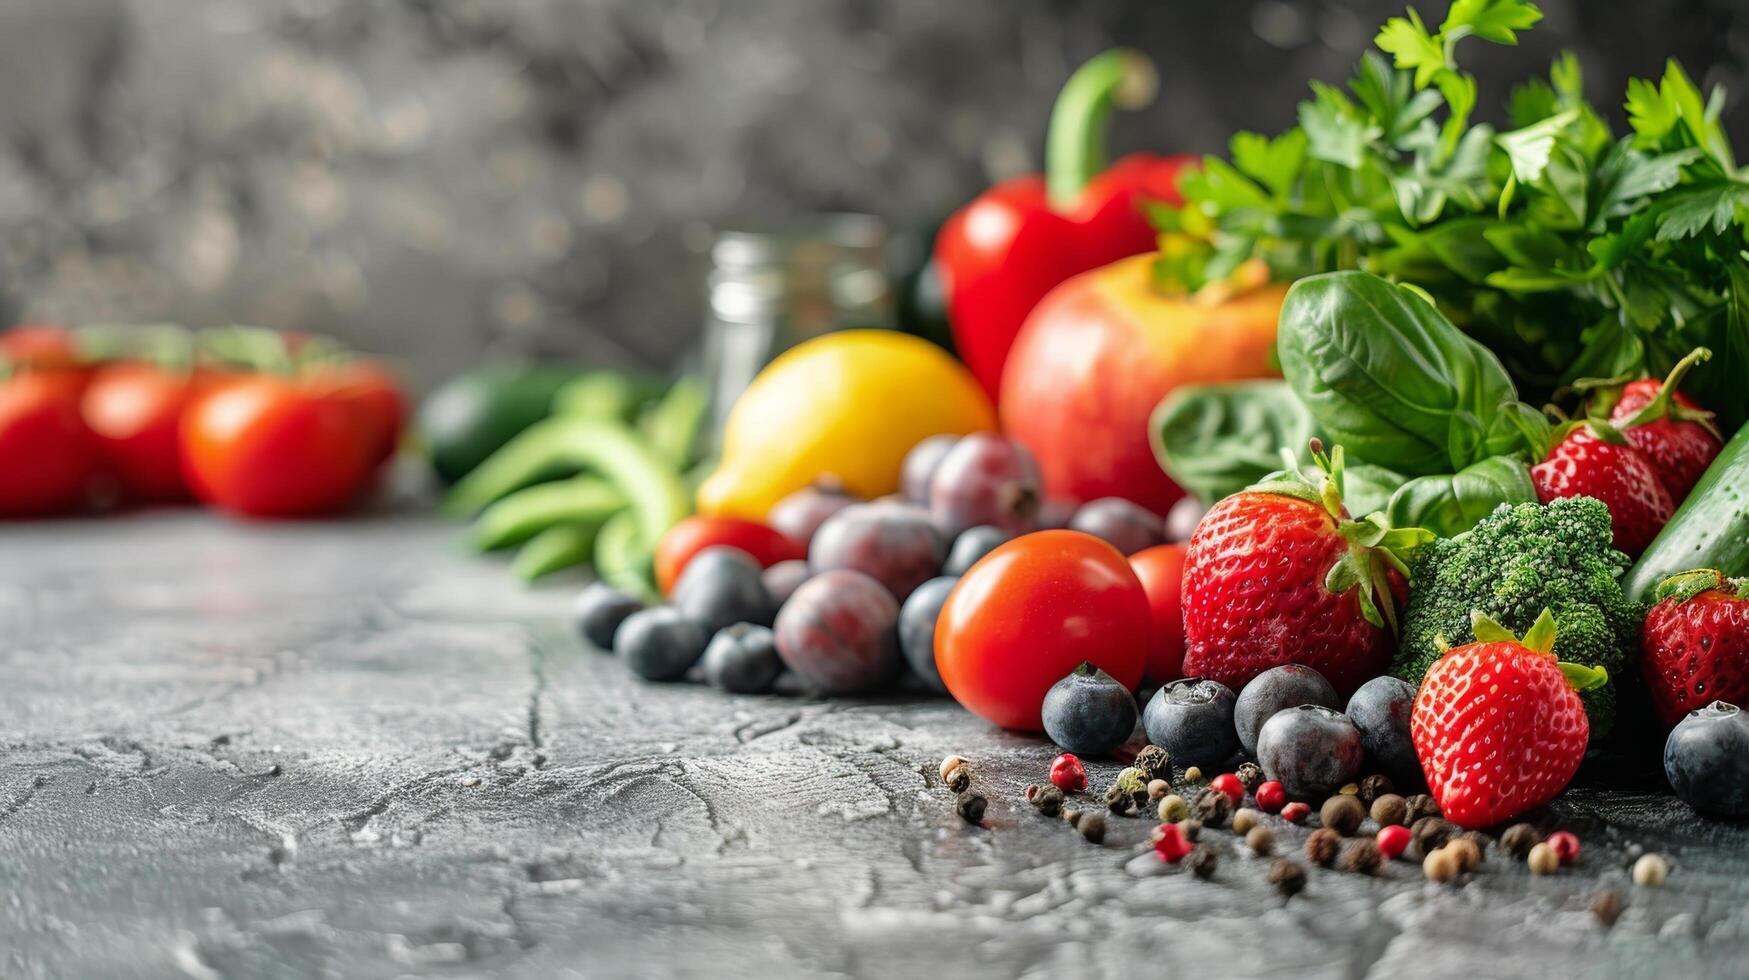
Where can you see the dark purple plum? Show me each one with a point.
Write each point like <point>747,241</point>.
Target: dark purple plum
<point>1124,525</point>
<point>742,659</point>
<point>1182,519</point>
<point>800,514</point>
<point>1311,750</point>
<point>918,469</point>
<point>1192,719</point>
<point>722,586</point>
<point>1381,709</point>
<point>973,544</point>
<point>893,543</point>
<point>917,629</point>
<point>660,644</point>
<point>1287,686</point>
<point>985,479</point>
<point>599,611</point>
<point>1089,712</point>
<point>1706,759</point>
<point>839,633</point>
<point>782,579</point>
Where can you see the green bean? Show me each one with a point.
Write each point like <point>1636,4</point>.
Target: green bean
<point>519,516</point>
<point>675,423</point>
<point>622,560</point>
<point>558,547</point>
<point>606,395</point>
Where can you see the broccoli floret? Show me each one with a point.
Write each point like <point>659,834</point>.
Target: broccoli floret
<point>1511,565</point>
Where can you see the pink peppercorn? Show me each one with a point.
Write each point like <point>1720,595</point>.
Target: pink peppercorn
<point>1067,773</point>
<point>1393,840</point>
<point>1565,846</point>
<point>1229,784</point>
<point>1170,844</point>
<point>1271,797</point>
<point>1296,812</point>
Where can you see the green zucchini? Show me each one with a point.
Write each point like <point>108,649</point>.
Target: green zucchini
<point>1709,530</point>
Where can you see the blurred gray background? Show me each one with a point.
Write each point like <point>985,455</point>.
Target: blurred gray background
<point>442,180</point>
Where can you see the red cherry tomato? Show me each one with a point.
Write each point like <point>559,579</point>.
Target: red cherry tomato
<point>1030,612</point>
<point>377,393</point>
<point>696,533</point>
<point>38,345</point>
<point>135,412</point>
<point>269,446</point>
<point>1161,569</point>
<point>46,453</point>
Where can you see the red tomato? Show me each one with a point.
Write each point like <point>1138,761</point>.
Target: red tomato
<point>46,453</point>
<point>135,411</point>
<point>696,533</point>
<point>1161,569</point>
<point>264,445</point>
<point>377,393</point>
<point>1030,612</point>
<point>38,345</point>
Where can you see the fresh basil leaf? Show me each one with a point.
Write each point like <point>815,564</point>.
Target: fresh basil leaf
<point>1367,487</point>
<point>1216,440</point>
<point>1385,375</point>
<point>1452,503</point>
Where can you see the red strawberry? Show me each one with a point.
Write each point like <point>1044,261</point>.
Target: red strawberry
<point>1668,428</point>
<point>1587,464</point>
<point>1695,643</point>
<point>1279,574</point>
<point>1498,724</point>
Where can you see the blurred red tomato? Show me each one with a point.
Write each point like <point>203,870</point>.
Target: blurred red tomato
<point>265,445</point>
<point>694,534</point>
<point>376,393</point>
<point>1161,570</point>
<point>46,454</point>
<point>135,411</point>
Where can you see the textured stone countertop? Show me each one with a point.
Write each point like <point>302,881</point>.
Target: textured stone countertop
<point>349,750</point>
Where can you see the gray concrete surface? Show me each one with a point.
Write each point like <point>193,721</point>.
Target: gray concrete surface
<point>348,750</point>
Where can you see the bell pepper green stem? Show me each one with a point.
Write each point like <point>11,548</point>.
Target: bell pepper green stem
<point>1121,78</point>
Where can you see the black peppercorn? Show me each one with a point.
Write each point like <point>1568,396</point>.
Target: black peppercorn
<point>1120,802</point>
<point>1361,856</point>
<point>1214,808</point>
<point>1287,877</point>
<point>1321,846</point>
<point>1154,761</point>
<point>1388,809</point>
<point>1418,806</point>
<point>959,779</point>
<point>1607,907</point>
<point>1261,840</point>
<point>1342,814</point>
<point>1519,839</point>
<point>1203,862</point>
<point>1250,776</point>
<point>1431,833</point>
<point>1047,799</point>
<point>1092,826</point>
<point>1191,829</point>
<point>1072,817</point>
<point>970,807</point>
<point>1375,786</point>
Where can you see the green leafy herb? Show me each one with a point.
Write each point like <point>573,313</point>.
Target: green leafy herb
<point>1215,440</point>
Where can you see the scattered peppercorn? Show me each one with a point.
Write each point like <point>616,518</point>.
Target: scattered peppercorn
<point>1393,840</point>
<point>1170,844</point>
<point>1203,862</point>
<point>1432,833</point>
<point>1261,840</point>
<point>1067,773</point>
<point>1418,806</point>
<point>1322,845</point>
<point>1607,907</point>
<point>1153,761</point>
<point>1566,845</point>
<point>1271,797</point>
<point>1465,851</point>
<point>1543,860</point>
<point>1342,814</point>
<point>1193,775</point>
<point>959,778</point>
<point>1349,789</point>
<point>1191,827</point>
<point>1128,791</point>
<point>951,763</point>
<point>1173,808</point>
<point>1092,826</point>
<point>1477,839</point>
<point>1287,877</point>
<point>1375,786</point>
<point>1072,817</point>
<point>1650,871</point>
<point>1214,808</point>
<point>1440,866</point>
<point>1250,776</point>
<point>1389,809</point>
<point>1158,788</point>
<point>1047,799</point>
<point>1244,819</point>
<point>1229,784</point>
<point>1519,839</point>
<point>1361,856</point>
<point>1119,802</point>
<point>970,807</point>
<point>1296,812</point>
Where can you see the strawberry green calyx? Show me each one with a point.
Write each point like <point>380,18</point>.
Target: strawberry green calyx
<point>1375,548</point>
<point>1665,405</point>
<point>1684,586</point>
<point>1540,638</point>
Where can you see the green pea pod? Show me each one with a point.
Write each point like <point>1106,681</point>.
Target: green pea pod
<point>623,560</point>
<point>557,548</point>
<point>673,424</point>
<point>606,395</point>
<point>526,513</point>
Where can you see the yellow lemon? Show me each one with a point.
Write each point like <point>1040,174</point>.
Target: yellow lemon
<point>849,404</point>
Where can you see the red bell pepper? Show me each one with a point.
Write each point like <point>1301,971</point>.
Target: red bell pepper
<point>1001,254</point>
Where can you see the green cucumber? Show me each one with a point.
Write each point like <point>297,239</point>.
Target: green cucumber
<point>1709,530</point>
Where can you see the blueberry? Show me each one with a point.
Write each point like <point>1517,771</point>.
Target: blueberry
<point>782,579</point>
<point>1089,712</point>
<point>742,659</point>
<point>973,544</point>
<point>1287,686</point>
<point>1125,525</point>
<point>1311,750</point>
<point>1192,719</point>
<point>1706,760</point>
<point>599,611</point>
<point>722,586</point>
<point>659,644</point>
<point>917,629</point>
<point>1380,709</point>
